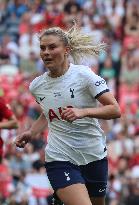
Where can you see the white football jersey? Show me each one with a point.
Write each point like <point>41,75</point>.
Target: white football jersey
<point>83,140</point>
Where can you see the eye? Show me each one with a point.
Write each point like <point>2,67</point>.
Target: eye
<point>52,47</point>
<point>42,48</point>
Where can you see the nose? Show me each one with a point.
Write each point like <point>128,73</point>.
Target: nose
<point>46,51</point>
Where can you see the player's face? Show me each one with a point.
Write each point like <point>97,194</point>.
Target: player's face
<point>52,52</point>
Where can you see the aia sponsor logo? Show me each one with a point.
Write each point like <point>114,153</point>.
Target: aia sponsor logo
<point>52,114</point>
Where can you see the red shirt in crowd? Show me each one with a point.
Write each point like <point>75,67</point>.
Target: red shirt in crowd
<point>5,113</point>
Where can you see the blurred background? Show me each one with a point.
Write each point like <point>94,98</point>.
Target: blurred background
<point>23,180</point>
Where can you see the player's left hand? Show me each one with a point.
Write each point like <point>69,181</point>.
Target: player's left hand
<point>71,114</point>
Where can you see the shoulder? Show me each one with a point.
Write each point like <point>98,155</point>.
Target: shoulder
<point>36,82</point>
<point>83,71</point>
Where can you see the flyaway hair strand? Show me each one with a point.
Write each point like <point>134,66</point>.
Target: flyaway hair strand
<point>82,45</point>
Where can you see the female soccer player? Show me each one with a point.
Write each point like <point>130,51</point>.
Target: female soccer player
<point>76,153</point>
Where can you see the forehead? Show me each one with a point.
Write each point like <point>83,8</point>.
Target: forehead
<point>50,39</point>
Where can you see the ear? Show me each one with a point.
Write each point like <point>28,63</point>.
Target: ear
<point>67,50</point>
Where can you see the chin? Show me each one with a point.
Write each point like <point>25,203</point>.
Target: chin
<point>49,67</point>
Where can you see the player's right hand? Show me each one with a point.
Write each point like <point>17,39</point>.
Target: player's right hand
<point>22,139</point>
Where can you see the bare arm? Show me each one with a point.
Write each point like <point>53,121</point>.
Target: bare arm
<point>9,124</point>
<point>38,126</point>
<point>109,110</point>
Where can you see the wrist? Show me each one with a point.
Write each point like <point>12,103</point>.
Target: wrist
<point>85,112</point>
<point>32,133</point>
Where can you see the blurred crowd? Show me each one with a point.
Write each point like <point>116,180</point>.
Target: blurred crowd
<point>23,179</point>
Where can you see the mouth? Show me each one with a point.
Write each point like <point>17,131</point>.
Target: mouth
<point>47,60</point>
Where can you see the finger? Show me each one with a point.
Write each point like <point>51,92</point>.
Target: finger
<point>17,141</point>
<point>23,143</point>
<point>67,109</point>
<point>69,117</point>
<point>65,114</point>
<point>20,144</point>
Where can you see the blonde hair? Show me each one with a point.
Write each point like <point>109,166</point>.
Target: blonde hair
<point>81,45</point>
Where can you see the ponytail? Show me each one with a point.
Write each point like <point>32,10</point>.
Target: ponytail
<point>82,46</point>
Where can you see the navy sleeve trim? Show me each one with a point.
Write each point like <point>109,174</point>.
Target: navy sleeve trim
<point>104,91</point>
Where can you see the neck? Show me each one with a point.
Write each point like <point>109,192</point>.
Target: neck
<point>57,72</point>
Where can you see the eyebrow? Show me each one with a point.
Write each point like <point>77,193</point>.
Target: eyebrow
<point>51,44</point>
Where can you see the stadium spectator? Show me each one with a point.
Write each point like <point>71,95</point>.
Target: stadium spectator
<point>7,121</point>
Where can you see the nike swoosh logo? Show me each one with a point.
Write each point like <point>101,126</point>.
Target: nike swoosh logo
<point>41,99</point>
<point>101,190</point>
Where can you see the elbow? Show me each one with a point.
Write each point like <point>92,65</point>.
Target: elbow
<point>118,115</point>
<point>117,112</point>
<point>15,124</point>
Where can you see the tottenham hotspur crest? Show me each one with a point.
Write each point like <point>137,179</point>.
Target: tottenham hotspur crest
<point>72,93</point>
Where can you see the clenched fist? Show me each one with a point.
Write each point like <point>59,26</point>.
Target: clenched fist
<point>22,139</point>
